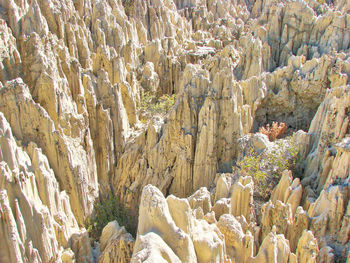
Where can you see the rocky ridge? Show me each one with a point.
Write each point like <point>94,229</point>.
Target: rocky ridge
<point>72,75</point>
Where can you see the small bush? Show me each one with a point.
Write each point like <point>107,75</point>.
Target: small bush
<point>275,131</point>
<point>150,104</point>
<point>128,7</point>
<point>266,168</point>
<point>108,210</point>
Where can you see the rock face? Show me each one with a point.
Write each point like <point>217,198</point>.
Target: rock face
<point>116,245</point>
<point>74,75</point>
<point>242,198</point>
<point>202,242</point>
<point>31,123</point>
<point>36,217</point>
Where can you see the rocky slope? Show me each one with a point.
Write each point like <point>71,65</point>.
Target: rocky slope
<point>73,75</point>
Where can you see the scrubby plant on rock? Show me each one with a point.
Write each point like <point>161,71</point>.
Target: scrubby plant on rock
<point>266,167</point>
<point>275,131</point>
<point>150,104</point>
<point>107,210</point>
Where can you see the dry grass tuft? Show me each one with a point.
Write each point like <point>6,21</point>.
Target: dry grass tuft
<point>275,131</point>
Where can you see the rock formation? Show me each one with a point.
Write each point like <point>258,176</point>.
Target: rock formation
<point>74,75</point>
<point>116,245</point>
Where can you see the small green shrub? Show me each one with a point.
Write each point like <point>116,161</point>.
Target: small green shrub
<point>266,168</point>
<point>128,7</point>
<point>150,104</point>
<point>108,210</point>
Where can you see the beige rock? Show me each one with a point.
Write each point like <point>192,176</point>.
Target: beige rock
<point>10,59</point>
<point>174,149</point>
<point>242,198</point>
<point>307,250</point>
<point>326,255</point>
<point>205,159</point>
<point>81,247</point>
<point>340,162</point>
<point>276,216</point>
<point>330,205</point>
<point>150,79</point>
<point>329,126</point>
<point>274,248</point>
<point>198,213</point>
<point>300,223</point>
<point>221,207</point>
<point>208,242</point>
<point>210,218</point>
<point>282,191</point>
<point>181,213</point>
<point>323,169</point>
<point>296,195</point>
<point>152,248</point>
<point>303,101</point>
<point>116,245</point>
<point>201,198</point>
<point>101,128</point>
<point>156,218</point>
<point>67,256</point>
<point>29,185</point>
<point>288,191</point>
<point>167,164</point>
<point>12,249</point>
<point>109,232</point>
<point>30,122</point>
<point>239,246</point>
<point>343,235</point>
<point>222,188</point>
<point>257,142</point>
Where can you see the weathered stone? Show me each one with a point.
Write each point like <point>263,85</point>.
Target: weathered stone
<point>116,245</point>
<point>156,218</point>
<point>201,198</point>
<point>239,246</point>
<point>242,198</point>
<point>307,250</point>
<point>221,207</point>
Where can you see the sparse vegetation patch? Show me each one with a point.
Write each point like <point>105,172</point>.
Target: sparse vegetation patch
<point>275,131</point>
<point>266,168</point>
<point>150,104</point>
<point>108,210</point>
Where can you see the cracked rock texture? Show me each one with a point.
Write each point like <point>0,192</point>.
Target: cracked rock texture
<point>73,75</point>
